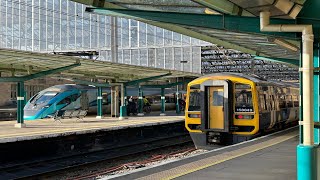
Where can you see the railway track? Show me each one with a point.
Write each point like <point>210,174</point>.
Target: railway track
<point>41,168</point>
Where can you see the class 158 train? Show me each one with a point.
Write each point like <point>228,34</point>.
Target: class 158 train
<point>227,108</point>
<point>73,96</point>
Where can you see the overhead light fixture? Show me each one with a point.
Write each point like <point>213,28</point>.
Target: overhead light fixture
<point>284,43</point>
<point>266,44</point>
<point>210,11</point>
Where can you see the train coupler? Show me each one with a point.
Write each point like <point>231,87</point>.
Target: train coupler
<point>214,137</point>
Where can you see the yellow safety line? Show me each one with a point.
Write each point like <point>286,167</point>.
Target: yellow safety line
<point>229,158</point>
<point>75,129</point>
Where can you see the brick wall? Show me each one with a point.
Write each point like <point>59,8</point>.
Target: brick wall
<point>31,87</point>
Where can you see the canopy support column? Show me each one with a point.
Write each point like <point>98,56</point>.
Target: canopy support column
<point>123,107</point>
<point>116,101</point>
<point>163,101</point>
<point>99,103</point>
<point>140,102</point>
<point>20,105</point>
<point>177,104</point>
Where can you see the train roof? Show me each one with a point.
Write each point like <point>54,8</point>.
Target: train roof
<point>254,78</point>
<point>65,87</point>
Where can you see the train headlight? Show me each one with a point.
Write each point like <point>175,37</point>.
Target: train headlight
<point>46,106</point>
<point>240,116</point>
<point>194,115</point>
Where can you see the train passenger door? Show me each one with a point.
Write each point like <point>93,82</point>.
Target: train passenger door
<point>216,107</point>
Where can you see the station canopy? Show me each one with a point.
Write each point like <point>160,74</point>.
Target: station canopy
<point>16,63</point>
<point>232,24</point>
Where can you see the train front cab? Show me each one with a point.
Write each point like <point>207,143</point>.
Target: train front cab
<point>215,115</point>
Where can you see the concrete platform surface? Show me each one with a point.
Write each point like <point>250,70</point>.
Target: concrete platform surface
<point>265,158</point>
<point>48,128</point>
<point>277,162</point>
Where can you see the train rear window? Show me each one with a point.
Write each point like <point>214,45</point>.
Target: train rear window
<point>243,98</point>
<point>194,99</point>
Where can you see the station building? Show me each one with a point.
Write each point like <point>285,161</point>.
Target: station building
<point>63,27</point>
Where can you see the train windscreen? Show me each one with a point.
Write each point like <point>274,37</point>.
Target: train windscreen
<point>47,96</point>
<point>243,98</point>
<point>194,98</point>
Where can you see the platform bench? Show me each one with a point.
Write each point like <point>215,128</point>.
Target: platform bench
<point>69,114</point>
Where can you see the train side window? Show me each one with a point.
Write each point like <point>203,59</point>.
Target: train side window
<point>66,100</point>
<point>217,98</point>
<point>295,101</point>
<point>265,101</point>
<point>289,101</point>
<point>282,101</point>
<point>69,99</point>
<point>262,102</point>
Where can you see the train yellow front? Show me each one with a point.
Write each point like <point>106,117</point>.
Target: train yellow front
<point>228,108</point>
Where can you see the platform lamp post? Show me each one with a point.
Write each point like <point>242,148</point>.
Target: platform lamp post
<point>140,102</point>
<point>99,103</point>
<point>20,103</point>
<point>163,103</point>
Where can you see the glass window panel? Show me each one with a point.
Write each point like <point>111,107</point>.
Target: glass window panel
<point>194,100</point>
<point>134,22</point>
<point>43,26</point>
<point>150,35</point>
<point>167,38</point>
<point>126,56</point>
<point>134,36</point>
<point>243,98</point>
<point>108,56</point>
<point>195,41</point>
<point>159,36</point>
<point>176,38</point>
<point>36,26</point>
<point>196,59</point>
<point>185,40</point>
<point>102,34</point>
<point>15,25</point>
<point>22,24</point>
<point>108,31</point>
<point>94,33</point>
<point>50,30</point>
<point>72,24</point>
<point>79,19</point>
<point>144,57</point>
<point>57,45</point>
<point>120,31</point>
<point>177,59</point>
<point>8,29</point>
<point>142,34</point>
<point>120,53</point>
<point>217,98</point>
<point>160,58</point>
<point>3,24</point>
<point>135,57</point>
<point>151,57</point>
<point>186,59</point>
<point>168,58</point>
<point>125,33</point>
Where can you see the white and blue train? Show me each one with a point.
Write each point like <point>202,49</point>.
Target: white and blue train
<point>72,97</point>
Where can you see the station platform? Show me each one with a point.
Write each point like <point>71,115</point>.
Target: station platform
<point>270,157</point>
<point>46,128</point>
<point>47,139</point>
